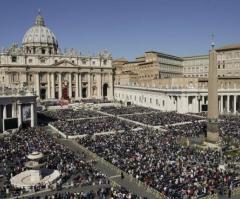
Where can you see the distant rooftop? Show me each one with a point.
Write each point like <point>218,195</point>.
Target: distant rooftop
<point>229,47</point>
<point>165,55</point>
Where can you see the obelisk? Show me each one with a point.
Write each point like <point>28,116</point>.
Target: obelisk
<point>212,127</point>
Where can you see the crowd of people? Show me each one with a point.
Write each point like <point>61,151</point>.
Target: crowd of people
<point>229,129</point>
<point>67,114</point>
<point>123,110</point>
<point>101,193</point>
<point>160,161</point>
<point>95,101</point>
<point>156,158</point>
<point>161,118</point>
<point>230,125</point>
<point>92,126</point>
<point>13,156</point>
<point>193,129</point>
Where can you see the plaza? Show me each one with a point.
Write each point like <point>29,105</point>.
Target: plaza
<point>156,116</point>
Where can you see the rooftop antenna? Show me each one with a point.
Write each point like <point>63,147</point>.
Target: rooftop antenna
<point>213,43</point>
<point>39,11</point>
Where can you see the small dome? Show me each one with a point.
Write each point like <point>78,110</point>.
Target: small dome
<point>40,36</point>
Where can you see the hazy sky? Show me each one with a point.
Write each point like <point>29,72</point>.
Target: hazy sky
<point>127,28</point>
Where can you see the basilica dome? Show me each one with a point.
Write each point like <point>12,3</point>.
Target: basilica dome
<point>40,39</point>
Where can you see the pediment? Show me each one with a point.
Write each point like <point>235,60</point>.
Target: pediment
<point>64,63</point>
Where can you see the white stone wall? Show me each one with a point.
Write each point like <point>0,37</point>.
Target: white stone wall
<point>180,100</point>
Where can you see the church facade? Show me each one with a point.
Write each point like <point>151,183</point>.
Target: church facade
<point>40,65</point>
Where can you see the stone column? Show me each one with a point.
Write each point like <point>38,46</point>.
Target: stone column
<point>4,115</point>
<point>53,85</point>
<point>48,86</point>
<point>13,110</point>
<point>70,85</point>
<point>4,111</point>
<point>221,101</point>
<point>228,103</point>
<point>80,85</point>
<point>99,85</point>
<point>213,130</point>
<point>19,115</point>
<point>182,104</point>
<point>37,84</point>
<point>195,104</point>
<point>32,115</point>
<point>110,78</point>
<point>89,85</point>
<point>76,85</point>
<point>59,85</point>
<point>234,104</point>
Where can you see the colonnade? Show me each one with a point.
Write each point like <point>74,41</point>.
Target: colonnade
<point>15,111</point>
<point>182,101</point>
<point>227,103</point>
<point>75,82</point>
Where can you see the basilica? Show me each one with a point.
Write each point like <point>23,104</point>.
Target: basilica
<point>39,65</point>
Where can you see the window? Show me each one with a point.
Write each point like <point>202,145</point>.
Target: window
<point>30,60</point>
<point>14,77</point>
<point>42,60</point>
<point>43,51</point>
<point>14,58</point>
<point>84,61</point>
<point>104,62</point>
<point>93,62</point>
<point>73,61</point>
